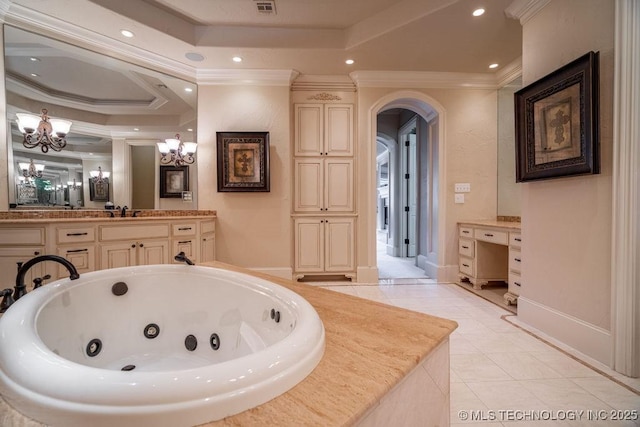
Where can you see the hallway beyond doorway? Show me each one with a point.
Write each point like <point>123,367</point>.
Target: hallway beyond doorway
<point>390,267</point>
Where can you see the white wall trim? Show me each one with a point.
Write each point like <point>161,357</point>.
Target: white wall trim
<point>524,10</point>
<point>586,338</point>
<point>625,276</point>
<point>246,77</point>
<point>424,79</point>
<point>367,275</point>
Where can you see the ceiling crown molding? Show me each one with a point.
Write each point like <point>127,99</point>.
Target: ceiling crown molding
<point>246,77</point>
<point>524,10</point>
<point>424,79</point>
<point>327,83</point>
<point>31,20</point>
<point>4,8</point>
<point>510,72</point>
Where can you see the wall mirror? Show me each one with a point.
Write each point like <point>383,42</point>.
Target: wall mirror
<point>108,101</point>
<point>508,190</point>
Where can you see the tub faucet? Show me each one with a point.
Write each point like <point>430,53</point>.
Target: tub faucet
<point>7,299</point>
<point>21,288</point>
<point>181,257</point>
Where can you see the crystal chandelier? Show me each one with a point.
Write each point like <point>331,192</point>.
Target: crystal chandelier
<point>176,152</point>
<point>98,177</point>
<point>31,170</point>
<point>43,131</point>
<point>74,185</point>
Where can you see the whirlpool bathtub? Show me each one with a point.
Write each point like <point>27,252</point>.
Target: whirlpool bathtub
<point>162,345</point>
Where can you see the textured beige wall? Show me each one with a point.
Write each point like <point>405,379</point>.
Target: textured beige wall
<point>253,229</point>
<point>566,222</point>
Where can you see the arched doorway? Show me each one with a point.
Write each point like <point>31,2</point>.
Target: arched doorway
<point>424,136</point>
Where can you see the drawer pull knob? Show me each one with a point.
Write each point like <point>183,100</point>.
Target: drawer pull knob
<point>466,265</point>
<point>184,228</point>
<point>517,239</point>
<point>465,247</point>
<point>184,241</point>
<point>77,234</point>
<point>36,253</point>
<point>465,232</point>
<point>516,283</point>
<point>73,251</point>
<point>488,235</point>
<point>517,259</point>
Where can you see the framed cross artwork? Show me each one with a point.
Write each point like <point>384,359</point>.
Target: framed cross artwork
<point>243,161</point>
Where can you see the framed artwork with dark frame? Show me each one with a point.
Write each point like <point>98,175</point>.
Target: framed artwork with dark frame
<point>173,181</point>
<point>243,161</point>
<point>99,190</point>
<point>557,123</point>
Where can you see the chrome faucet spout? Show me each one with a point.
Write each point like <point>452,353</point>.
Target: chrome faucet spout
<point>21,288</point>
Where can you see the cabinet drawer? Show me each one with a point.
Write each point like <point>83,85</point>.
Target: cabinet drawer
<point>466,266</point>
<point>75,235</point>
<point>83,257</point>
<point>466,247</point>
<point>515,283</point>
<point>185,229</point>
<point>466,232</point>
<point>491,236</point>
<point>22,236</point>
<point>515,240</point>
<point>515,260</point>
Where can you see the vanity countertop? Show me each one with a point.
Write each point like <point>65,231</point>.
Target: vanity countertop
<point>88,216</point>
<point>511,225</point>
<point>369,348</point>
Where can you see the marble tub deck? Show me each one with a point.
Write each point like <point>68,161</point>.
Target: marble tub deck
<point>373,352</point>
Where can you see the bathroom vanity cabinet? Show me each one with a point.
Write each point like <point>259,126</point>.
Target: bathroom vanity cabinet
<point>489,251</point>
<point>323,200</point>
<point>101,243</point>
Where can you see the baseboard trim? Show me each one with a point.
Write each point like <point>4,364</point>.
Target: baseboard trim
<point>367,275</point>
<point>590,340</point>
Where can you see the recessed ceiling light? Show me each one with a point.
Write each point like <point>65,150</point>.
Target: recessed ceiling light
<point>34,59</point>
<point>136,129</point>
<point>188,89</point>
<point>493,66</point>
<point>237,59</point>
<point>478,12</point>
<point>126,33</point>
<point>189,130</point>
<point>35,75</point>
<point>349,61</point>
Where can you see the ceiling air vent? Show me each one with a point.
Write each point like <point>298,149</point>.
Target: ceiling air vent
<point>266,6</point>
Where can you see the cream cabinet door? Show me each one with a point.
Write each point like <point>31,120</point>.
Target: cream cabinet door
<point>114,255</point>
<point>83,258</point>
<point>208,248</point>
<point>339,245</point>
<point>309,245</point>
<point>338,129</point>
<point>153,252</point>
<point>338,184</point>
<point>9,259</point>
<point>309,183</point>
<point>309,130</point>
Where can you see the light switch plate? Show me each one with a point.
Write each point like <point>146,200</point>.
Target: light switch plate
<point>459,198</point>
<point>463,187</point>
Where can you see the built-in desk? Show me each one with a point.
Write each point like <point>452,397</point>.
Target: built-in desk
<point>489,251</point>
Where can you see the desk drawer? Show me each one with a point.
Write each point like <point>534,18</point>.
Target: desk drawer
<point>466,232</point>
<point>515,260</point>
<point>22,236</point>
<point>515,240</point>
<point>492,236</point>
<point>515,283</point>
<point>466,247</point>
<point>466,266</point>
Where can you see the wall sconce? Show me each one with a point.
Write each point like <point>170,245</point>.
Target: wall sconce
<point>31,170</point>
<point>98,176</point>
<point>43,131</point>
<point>73,185</point>
<point>177,152</point>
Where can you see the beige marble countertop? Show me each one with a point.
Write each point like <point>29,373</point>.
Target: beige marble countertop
<point>87,216</point>
<point>369,348</point>
<point>492,223</point>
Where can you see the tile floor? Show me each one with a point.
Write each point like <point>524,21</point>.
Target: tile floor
<point>502,375</point>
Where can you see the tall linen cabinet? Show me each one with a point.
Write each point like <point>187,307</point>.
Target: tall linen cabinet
<point>323,211</point>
